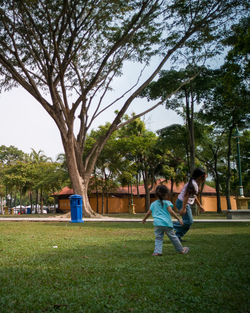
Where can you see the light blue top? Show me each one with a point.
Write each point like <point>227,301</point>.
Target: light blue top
<point>160,213</point>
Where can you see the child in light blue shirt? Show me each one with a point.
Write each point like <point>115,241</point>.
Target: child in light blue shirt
<point>161,210</point>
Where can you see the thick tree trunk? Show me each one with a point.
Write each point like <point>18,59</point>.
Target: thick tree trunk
<point>86,208</point>
<point>79,179</point>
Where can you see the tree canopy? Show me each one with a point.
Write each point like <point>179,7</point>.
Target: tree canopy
<point>67,53</point>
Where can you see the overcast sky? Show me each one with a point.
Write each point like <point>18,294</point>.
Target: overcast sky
<point>25,124</point>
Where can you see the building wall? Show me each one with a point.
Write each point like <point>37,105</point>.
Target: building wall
<point>121,205</point>
<point>64,204</point>
<point>210,203</point>
<point>117,205</point>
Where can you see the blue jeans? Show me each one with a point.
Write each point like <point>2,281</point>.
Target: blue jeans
<point>159,234</point>
<point>187,218</point>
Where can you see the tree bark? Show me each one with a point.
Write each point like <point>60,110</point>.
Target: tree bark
<point>79,181</point>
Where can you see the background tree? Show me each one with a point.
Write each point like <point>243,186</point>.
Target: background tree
<point>39,160</point>
<point>228,103</point>
<point>66,54</point>
<point>8,157</point>
<point>138,145</point>
<point>22,174</point>
<point>245,164</point>
<point>107,166</point>
<point>15,178</point>
<point>212,153</point>
<point>172,143</point>
<point>185,99</point>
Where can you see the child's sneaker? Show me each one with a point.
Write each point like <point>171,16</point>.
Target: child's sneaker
<point>185,250</point>
<point>157,254</point>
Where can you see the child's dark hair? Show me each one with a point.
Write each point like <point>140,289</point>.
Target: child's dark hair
<point>161,191</point>
<point>198,172</point>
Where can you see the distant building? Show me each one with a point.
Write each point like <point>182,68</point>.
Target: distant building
<point>120,200</point>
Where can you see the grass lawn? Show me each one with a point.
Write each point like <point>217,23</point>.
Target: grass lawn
<point>107,267</point>
<point>206,215</point>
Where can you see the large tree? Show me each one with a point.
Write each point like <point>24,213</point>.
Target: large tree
<point>228,104</point>
<point>185,99</point>
<point>67,53</point>
<point>212,153</point>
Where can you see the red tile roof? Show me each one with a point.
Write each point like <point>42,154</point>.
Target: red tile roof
<point>176,188</point>
<point>65,191</point>
<point>124,190</point>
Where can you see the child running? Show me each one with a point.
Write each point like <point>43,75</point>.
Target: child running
<point>186,198</point>
<point>161,210</point>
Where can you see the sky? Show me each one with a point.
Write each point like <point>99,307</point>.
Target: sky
<point>26,125</point>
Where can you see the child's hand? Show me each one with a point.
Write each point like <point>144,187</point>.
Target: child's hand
<point>143,221</point>
<point>202,209</point>
<point>181,221</point>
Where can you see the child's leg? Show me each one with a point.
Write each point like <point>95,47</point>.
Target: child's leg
<point>159,234</point>
<point>178,227</point>
<point>174,239</point>
<point>187,218</point>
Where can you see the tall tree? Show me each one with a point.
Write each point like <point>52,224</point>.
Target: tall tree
<point>67,53</point>
<point>10,155</point>
<point>228,103</point>
<point>212,153</point>
<point>138,146</point>
<point>107,165</point>
<point>245,164</point>
<point>185,99</point>
<point>172,143</point>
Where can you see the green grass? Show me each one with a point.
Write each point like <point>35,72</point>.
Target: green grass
<point>30,215</point>
<point>206,215</point>
<point>107,267</point>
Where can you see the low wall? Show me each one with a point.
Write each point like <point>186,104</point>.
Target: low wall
<point>238,214</point>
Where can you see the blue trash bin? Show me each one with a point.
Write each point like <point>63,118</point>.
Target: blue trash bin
<point>28,210</point>
<point>76,208</point>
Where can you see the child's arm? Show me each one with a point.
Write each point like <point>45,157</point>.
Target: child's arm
<point>172,212</point>
<point>146,216</point>
<point>199,204</point>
